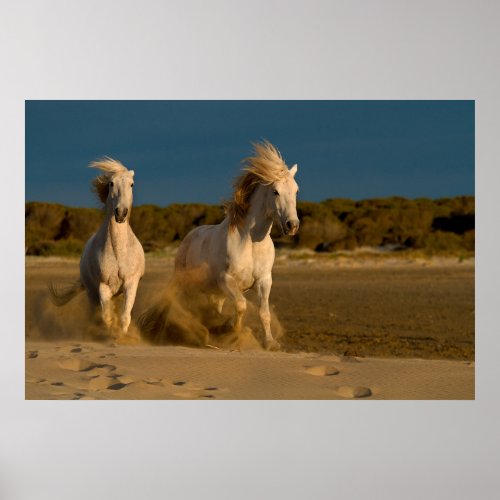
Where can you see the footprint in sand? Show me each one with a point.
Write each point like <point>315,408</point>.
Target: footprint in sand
<point>82,395</point>
<point>83,365</point>
<point>209,396</point>
<point>98,382</point>
<point>321,370</point>
<point>100,375</point>
<point>189,391</point>
<point>76,364</point>
<point>124,379</point>
<point>354,392</point>
<point>117,386</point>
<point>109,354</point>
<point>153,381</point>
<point>79,396</point>
<point>81,348</point>
<point>110,382</point>
<point>36,380</point>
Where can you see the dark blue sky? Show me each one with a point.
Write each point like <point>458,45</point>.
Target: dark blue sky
<point>190,151</point>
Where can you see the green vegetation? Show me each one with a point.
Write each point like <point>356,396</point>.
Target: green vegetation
<point>438,226</point>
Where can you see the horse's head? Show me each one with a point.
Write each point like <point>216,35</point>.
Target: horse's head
<point>269,183</point>
<point>281,199</point>
<point>114,187</point>
<point>120,194</point>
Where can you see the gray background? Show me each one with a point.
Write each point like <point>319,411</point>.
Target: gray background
<point>248,50</point>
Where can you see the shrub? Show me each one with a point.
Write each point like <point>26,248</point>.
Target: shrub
<point>439,241</point>
<point>440,225</point>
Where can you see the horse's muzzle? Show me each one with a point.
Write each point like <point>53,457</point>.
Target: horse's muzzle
<point>121,215</point>
<point>292,226</point>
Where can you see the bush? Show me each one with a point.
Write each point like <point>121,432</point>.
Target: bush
<point>63,248</point>
<point>440,225</point>
<point>439,241</point>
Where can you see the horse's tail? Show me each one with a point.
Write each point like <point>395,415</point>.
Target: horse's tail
<point>181,256</point>
<point>60,297</point>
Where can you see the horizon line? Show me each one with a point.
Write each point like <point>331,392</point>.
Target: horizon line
<point>298,201</point>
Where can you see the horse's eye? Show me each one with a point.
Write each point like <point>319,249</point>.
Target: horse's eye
<point>132,185</point>
<point>276,193</point>
<point>111,184</point>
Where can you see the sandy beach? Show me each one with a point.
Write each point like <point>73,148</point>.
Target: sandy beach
<point>365,329</point>
<point>98,371</point>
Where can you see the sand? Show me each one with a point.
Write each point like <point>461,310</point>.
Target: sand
<point>369,330</point>
<point>99,371</point>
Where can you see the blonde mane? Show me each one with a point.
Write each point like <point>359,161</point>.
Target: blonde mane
<point>100,185</point>
<point>266,167</point>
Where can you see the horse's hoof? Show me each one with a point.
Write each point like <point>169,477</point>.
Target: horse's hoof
<point>272,345</point>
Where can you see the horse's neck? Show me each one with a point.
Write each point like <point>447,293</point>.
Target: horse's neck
<point>116,233</point>
<point>257,223</point>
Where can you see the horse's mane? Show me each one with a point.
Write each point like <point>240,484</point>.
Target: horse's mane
<point>100,185</point>
<point>266,167</point>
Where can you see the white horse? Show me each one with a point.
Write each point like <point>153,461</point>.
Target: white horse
<point>112,261</point>
<point>238,254</point>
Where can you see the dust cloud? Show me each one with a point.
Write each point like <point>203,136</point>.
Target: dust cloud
<point>172,315</point>
<point>181,315</point>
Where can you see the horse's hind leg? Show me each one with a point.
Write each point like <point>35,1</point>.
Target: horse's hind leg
<point>217,301</point>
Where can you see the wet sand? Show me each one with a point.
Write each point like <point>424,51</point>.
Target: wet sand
<point>391,311</point>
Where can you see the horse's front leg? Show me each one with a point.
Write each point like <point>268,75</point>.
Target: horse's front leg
<point>229,286</point>
<point>129,291</point>
<point>105,296</point>
<point>263,286</point>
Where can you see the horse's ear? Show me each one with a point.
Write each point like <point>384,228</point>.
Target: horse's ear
<point>293,170</point>
<point>131,172</point>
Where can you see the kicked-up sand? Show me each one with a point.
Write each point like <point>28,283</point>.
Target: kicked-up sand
<point>377,329</point>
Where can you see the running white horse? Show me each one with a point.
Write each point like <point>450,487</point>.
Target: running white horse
<point>238,254</point>
<point>112,261</point>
